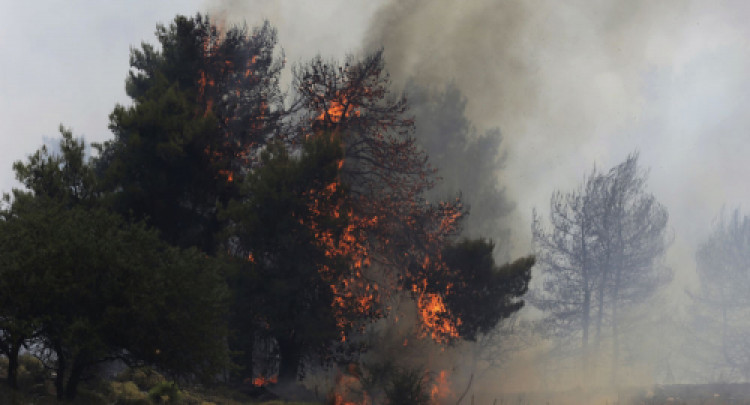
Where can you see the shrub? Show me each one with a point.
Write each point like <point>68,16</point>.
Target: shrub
<point>31,372</point>
<point>165,392</point>
<point>408,387</point>
<point>144,377</point>
<point>128,393</point>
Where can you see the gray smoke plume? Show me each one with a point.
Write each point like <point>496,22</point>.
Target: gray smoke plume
<point>570,85</point>
<point>552,75</point>
<point>577,84</point>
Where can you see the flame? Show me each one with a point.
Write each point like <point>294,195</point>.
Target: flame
<point>386,223</point>
<point>354,295</point>
<point>441,388</point>
<point>229,175</point>
<point>348,389</point>
<point>435,316</point>
<point>338,109</point>
<point>262,381</point>
<point>218,78</point>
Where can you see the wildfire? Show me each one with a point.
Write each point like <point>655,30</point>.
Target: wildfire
<point>228,88</point>
<point>441,387</point>
<point>229,175</point>
<point>348,389</point>
<point>386,221</point>
<point>435,316</point>
<point>353,293</point>
<point>339,108</point>
<point>262,381</point>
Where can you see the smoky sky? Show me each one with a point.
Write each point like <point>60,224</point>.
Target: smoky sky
<point>578,84</point>
<point>569,84</point>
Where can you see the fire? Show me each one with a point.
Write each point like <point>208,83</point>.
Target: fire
<point>227,174</point>
<point>441,387</point>
<point>387,222</point>
<point>231,89</point>
<point>262,381</point>
<point>339,108</point>
<point>435,316</point>
<point>354,294</point>
<point>348,389</point>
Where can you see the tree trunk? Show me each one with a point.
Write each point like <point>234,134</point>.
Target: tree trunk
<point>600,313</point>
<point>60,377</point>
<point>13,365</point>
<point>615,325</point>
<point>71,388</point>
<point>585,322</point>
<point>290,360</point>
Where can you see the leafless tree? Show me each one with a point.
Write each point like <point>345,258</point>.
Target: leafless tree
<point>599,256</point>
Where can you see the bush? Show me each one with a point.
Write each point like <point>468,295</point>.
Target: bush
<point>144,377</point>
<point>128,393</point>
<point>31,372</point>
<point>408,387</point>
<point>165,392</point>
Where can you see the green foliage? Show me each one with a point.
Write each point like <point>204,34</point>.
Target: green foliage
<point>165,392</point>
<point>118,258</point>
<point>65,177</point>
<point>128,393</point>
<point>201,104</point>
<point>93,286</point>
<point>281,286</point>
<point>481,293</point>
<point>144,377</point>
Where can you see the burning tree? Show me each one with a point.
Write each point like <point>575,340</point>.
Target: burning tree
<point>601,255</point>
<point>324,201</point>
<point>202,105</point>
<point>287,286</point>
<point>387,175</point>
<point>406,244</point>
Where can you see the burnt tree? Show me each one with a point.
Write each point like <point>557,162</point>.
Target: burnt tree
<point>601,255</point>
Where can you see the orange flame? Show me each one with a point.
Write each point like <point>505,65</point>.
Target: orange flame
<point>353,294</point>
<point>338,109</point>
<point>227,174</point>
<point>441,388</point>
<point>348,389</point>
<point>436,319</point>
<point>262,381</point>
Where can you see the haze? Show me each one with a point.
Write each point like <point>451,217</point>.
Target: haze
<point>570,84</point>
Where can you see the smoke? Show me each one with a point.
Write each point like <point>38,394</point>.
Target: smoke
<point>570,85</point>
<point>578,83</point>
<point>554,76</point>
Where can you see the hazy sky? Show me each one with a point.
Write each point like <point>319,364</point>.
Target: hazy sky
<point>568,84</point>
<point>65,62</point>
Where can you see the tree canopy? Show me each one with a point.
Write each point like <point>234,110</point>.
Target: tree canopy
<point>229,221</point>
<point>90,286</point>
